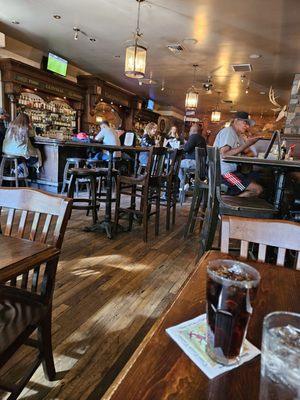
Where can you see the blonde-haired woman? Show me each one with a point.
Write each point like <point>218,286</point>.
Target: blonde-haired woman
<point>17,141</point>
<point>148,140</point>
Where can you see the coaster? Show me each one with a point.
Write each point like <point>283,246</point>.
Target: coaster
<point>191,338</point>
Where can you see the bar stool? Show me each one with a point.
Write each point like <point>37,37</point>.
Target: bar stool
<point>169,184</point>
<point>90,176</point>
<point>200,192</point>
<point>72,162</point>
<point>9,163</point>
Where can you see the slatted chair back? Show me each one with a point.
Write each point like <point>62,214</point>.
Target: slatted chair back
<point>201,164</point>
<point>156,161</point>
<point>172,164</point>
<point>37,216</point>
<point>281,234</point>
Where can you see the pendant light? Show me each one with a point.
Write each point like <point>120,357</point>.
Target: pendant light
<point>135,57</point>
<point>216,114</point>
<point>191,97</point>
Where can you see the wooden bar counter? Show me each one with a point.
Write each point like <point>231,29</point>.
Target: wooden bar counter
<point>54,154</point>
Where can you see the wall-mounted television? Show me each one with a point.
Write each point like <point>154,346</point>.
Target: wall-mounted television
<point>150,105</point>
<point>57,64</point>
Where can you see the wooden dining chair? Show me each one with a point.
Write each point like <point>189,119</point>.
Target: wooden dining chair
<point>26,301</point>
<point>281,234</point>
<point>200,192</point>
<point>170,185</point>
<point>147,187</point>
<point>219,204</point>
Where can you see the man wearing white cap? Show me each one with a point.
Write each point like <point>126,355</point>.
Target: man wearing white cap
<point>231,143</point>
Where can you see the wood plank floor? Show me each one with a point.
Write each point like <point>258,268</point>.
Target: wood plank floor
<point>108,295</point>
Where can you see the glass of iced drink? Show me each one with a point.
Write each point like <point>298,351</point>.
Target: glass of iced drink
<point>280,357</point>
<point>230,292</point>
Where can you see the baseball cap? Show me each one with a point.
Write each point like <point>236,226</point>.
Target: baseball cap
<point>244,116</point>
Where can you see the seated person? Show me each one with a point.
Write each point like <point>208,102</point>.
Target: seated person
<point>173,138</point>
<point>148,140</point>
<point>195,140</point>
<point>230,141</point>
<point>4,118</point>
<point>17,142</point>
<point>107,136</point>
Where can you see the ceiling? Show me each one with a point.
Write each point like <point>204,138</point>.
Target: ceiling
<point>226,32</point>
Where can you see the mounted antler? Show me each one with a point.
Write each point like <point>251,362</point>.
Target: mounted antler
<point>273,99</point>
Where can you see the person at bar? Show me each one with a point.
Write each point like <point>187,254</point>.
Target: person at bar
<point>107,136</point>
<point>17,142</point>
<point>230,141</point>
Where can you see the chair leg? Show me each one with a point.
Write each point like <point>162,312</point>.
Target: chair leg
<point>71,188</point>
<point>117,207</point>
<point>157,212</point>
<point>208,230</point>
<point>168,214</point>
<point>194,210</point>
<point>2,170</point>
<point>45,340</point>
<point>132,206</point>
<point>94,199</point>
<point>145,213</point>
<point>174,193</point>
<point>16,173</point>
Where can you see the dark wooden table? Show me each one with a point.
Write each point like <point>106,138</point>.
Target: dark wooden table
<point>160,370</point>
<point>281,168</point>
<point>19,255</point>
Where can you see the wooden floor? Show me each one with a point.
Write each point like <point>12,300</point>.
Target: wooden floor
<point>108,295</point>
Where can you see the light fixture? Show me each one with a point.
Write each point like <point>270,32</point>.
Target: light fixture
<point>15,22</point>
<point>56,16</point>
<point>140,83</point>
<point>262,92</point>
<point>93,40</point>
<point>247,90</point>
<point>162,85</point>
<point>76,32</point>
<point>99,119</point>
<point>243,78</point>
<point>135,57</point>
<point>191,97</point>
<point>216,115</point>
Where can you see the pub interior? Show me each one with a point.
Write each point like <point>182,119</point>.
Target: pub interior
<point>149,199</point>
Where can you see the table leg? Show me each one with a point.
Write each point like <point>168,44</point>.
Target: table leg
<point>279,189</point>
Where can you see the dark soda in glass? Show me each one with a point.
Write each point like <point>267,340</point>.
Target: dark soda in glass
<point>231,289</point>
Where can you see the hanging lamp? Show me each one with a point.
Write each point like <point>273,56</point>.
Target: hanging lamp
<point>191,97</point>
<point>216,114</point>
<point>135,56</point>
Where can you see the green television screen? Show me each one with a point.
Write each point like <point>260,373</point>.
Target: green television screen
<point>57,64</point>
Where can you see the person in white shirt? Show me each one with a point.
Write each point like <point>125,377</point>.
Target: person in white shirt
<point>107,136</point>
<point>230,141</point>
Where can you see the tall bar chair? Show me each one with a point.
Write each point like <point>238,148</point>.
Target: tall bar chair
<point>170,183</point>
<point>200,193</point>
<point>9,170</point>
<point>147,187</point>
